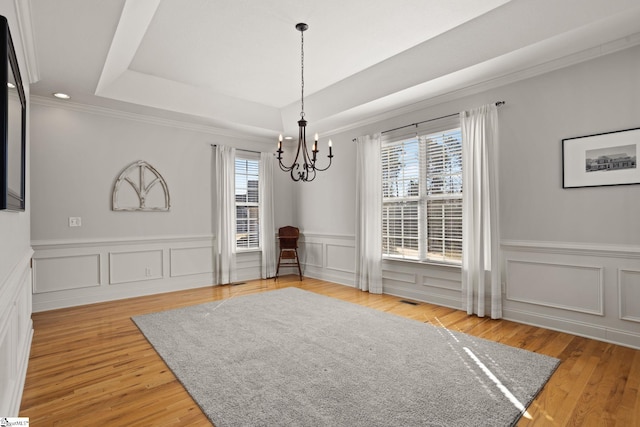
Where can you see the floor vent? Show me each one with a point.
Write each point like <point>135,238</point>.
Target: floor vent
<point>239,283</point>
<point>404,301</point>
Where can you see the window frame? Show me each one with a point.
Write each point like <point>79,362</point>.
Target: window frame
<point>419,133</point>
<point>247,157</point>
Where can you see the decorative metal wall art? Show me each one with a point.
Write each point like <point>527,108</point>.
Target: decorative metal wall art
<point>140,187</point>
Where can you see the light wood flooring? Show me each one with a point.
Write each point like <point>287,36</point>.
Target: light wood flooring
<point>90,365</point>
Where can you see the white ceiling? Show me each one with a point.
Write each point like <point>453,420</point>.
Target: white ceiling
<point>235,64</point>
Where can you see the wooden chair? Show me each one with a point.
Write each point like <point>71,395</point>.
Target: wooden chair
<point>288,237</point>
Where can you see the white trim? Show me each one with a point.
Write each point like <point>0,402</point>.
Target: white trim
<point>25,26</point>
<point>147,119</point>
<point>15,274</point>
<point>424,296</point>
<point>573,327</point>
<point>320,235</point>
<point>571,248</point>
<point>117,241</point>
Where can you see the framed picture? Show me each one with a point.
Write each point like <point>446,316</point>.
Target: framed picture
<point>601,159</point>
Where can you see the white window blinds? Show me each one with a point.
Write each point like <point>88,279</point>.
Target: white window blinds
<point>247,201</point>
<point>422,196</point>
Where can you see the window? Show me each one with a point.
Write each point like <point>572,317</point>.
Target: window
<point>422,196</point>
<point>247,170</point>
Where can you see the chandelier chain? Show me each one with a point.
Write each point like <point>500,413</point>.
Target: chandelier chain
<point>302,73</point>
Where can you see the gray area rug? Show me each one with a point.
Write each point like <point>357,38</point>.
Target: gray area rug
<point>290,357</point>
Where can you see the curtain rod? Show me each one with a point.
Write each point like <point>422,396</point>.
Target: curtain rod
<point>498,104</point>
<point>241,149</point>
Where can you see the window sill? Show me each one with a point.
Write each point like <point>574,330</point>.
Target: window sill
<point>244,251</point>
<point>425,263</point>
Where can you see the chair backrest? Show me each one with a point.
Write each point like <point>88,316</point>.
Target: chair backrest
<point>288,237</point>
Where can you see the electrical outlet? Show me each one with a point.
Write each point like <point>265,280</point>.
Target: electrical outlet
<point>75,221</point>
<point>147,272</point>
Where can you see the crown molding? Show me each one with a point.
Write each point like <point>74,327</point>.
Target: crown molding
<point>527,73</point>
<point>540,69</point>
<point>25,27</point>
<point>143,118</point>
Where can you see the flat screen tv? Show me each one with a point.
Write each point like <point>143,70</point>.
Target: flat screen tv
<point>13,107</point>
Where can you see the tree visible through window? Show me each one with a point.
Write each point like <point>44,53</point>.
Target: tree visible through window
<point>247,202</point>
<point>422,197</point>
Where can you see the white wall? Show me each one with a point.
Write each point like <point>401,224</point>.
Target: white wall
<point>77,154</point>
<point>584,244</point>
<point>16,327</point>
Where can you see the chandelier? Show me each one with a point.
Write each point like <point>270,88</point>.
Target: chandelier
<point>303,167</point>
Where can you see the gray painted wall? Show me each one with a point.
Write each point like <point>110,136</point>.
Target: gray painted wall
<point>77,153</point>
<point>600,95</point>
<point>77,156</point>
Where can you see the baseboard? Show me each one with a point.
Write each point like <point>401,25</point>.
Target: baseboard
<point>338,277</point>
<point>428,297</point>
<point>582,329</point>
<point>45,302</point>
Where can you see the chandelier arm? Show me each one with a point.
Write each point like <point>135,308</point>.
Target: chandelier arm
<point>324,169</point>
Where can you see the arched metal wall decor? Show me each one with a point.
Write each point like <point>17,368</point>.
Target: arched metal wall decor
<point>132,193</point>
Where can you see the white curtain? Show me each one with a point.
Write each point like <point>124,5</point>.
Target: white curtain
<point>267,216</point>
<point>481,283</point>
<point>369,214</point>
<point>224,218</point>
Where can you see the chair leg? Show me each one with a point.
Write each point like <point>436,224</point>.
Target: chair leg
<point>278,267</point>
<point>298,262</point>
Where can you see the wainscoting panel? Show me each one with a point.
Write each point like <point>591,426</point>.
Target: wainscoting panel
<point>340,258</point>
<point>443,279</point>
<point>584,289</point>
<point>569,287</point>
<point>398,276</point>
<point>249,265</point>
<point>311,254</point>
<point>126,267</point>
<point>629,294</point>
<point>433,283</point>
<point>16,332</point>
<point>76,272</point>
<point>66,272</point>
<point>189,261</point>
<point>328,257</point>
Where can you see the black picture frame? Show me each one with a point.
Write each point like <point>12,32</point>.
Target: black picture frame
<point>602,159</point>
<point>13,113</point>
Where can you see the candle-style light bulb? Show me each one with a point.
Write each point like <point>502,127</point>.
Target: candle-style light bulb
<point>280,142</point>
